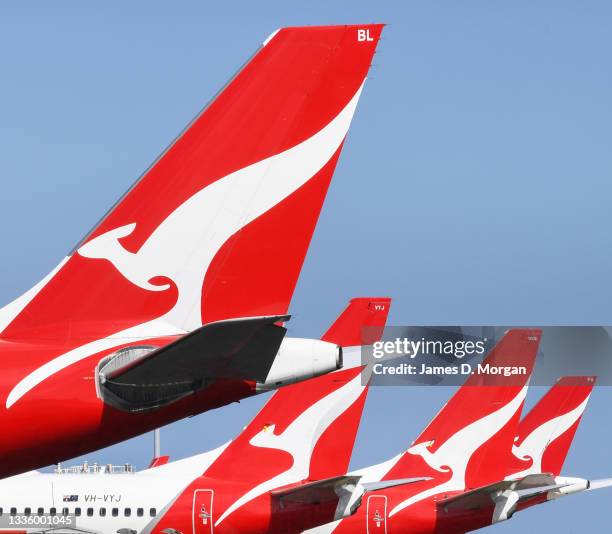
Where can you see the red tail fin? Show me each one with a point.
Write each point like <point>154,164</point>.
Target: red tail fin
<point>361,323</point>
<point>316,421</point>
<point>467,439</point>
<point>301,433</point>
<point>545,434</point>
<point>197,238</point>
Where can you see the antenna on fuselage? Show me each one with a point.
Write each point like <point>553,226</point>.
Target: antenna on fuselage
<point>156,443</point>
<point>158,459</point>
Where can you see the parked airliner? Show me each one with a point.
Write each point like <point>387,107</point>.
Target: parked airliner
<point>297,448</point>
<point>175,302</point>
<point>479,462</point>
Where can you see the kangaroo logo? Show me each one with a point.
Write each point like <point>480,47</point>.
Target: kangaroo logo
<point>454,455</point>
<point>535,444</point>
<point>183,246</point>
<point>299,439</point>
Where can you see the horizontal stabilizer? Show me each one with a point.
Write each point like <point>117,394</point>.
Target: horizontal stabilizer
<point>505,496</point>
<point>485,496</point>
<point>386,484</point>
<point>318,492</point>
<point>599,484</point>
<point>139,378</point>
<point>346,490</point>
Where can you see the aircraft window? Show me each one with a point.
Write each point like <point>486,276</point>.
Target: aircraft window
<point>115,512</point>
<point>127,512</point>
<point>13,511</point>
<point>40,511</point>
<point>140,512</point>
<point>102,512</point>
<point>152,512</point>
<point>65,511</point>
<point>52,511</point>
<point>77,512</point>
<point>89,512</point>
<point>27,511</point>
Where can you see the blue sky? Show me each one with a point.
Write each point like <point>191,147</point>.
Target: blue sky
<point>474,187</point>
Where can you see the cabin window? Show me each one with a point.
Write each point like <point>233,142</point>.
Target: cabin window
<point>139,512</point>
<point>52,511</point>
<point>102,512</point>
<point>127,512</point>
<point>13,511</point>
<point>115,512</point>
<point>1,511</point>
<point>27,511</point>
<point>40,511</point>
<point>65,511</point>
<point>89,512</point>
<point>152,512</point>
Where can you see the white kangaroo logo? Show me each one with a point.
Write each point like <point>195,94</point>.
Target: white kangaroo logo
<point>299,439</point>
<point>535,444</point>
<point>182,247</point>
<point>455,454</point>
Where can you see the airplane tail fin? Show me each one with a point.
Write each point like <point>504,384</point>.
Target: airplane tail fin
<point>542,442</point>
<point>196,239</point>
<point>361,323</point>
<point>545,434</point>
<point>473,430</point>
<point>316,420</point>
<point>298,447</point>
<point>305,432</point>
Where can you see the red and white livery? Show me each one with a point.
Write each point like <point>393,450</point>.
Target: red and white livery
<point>285,471</point>
<point>478,462</point>
<point>174,303</point>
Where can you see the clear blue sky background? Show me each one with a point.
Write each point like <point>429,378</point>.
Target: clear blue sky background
<point>474,188</point>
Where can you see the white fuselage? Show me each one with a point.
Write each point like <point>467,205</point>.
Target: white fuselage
<point>100,502</point>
